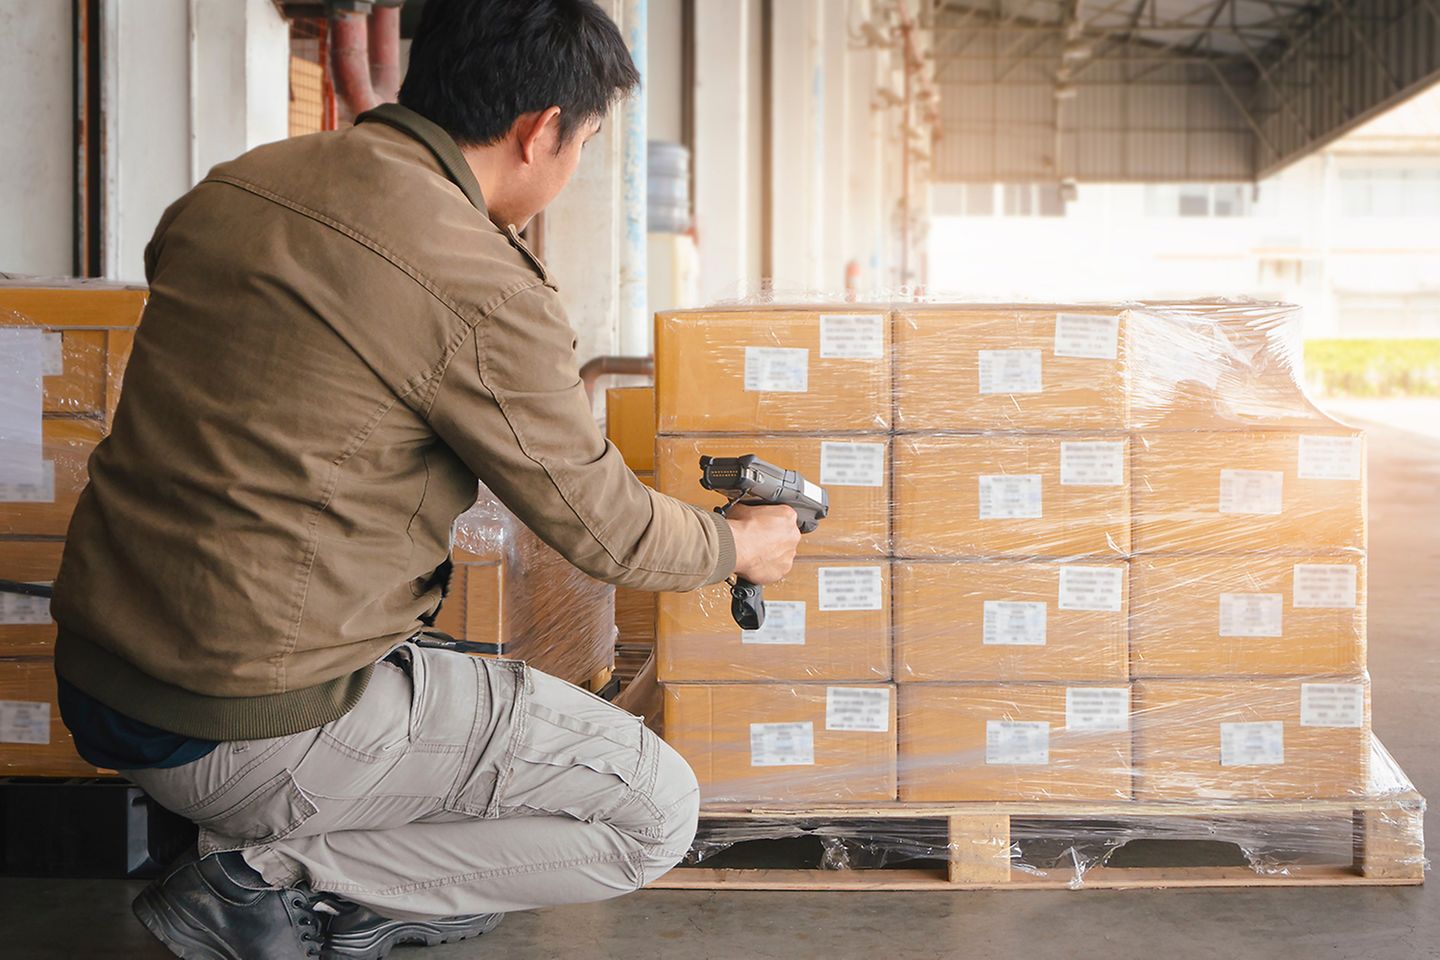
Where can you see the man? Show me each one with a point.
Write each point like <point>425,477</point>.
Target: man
<point>345,331</point>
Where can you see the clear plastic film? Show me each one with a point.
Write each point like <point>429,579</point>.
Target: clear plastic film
<point>1103,556</point>
<point>513,596</point>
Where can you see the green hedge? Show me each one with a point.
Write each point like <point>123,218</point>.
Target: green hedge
<point>1373,368</point>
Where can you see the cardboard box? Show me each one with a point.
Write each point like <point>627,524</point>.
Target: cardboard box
<point>44,510</point>
<point>1011,621</point>
<point>26,629</point>
<point>636,615</point>
<point>474,611</point>
<point>1248,492</point>
<point>773,370</point>
<point>855,472</point>
<point>33,740</point>
<point>1249,739</point>
<point>89,329</point>
<point>1012,496</point>
<point>1014,742</point>
<point>630,425</point>
<point>1008,367</point>
<point>1242,616</point>
<point>791,744</point>
<point>827,620</point>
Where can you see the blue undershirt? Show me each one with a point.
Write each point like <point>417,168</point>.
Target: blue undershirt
<point>107,738</point>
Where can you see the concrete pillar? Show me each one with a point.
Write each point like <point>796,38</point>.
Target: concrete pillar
<point>836,200</point>
<point>723,183</point>
<point>37,115</point>
<point>797,161</point>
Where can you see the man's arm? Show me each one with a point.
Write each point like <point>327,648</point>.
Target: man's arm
<point>511,405</point>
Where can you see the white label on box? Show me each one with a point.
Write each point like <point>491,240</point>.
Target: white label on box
<point>1251,614</point>
<point>852,336</point>
<point>1092,588</point>
<point>1251,491</point>
<point>18,608</point>
<point>1252,744</point>
<point>1010,371</point>
<point>24,721</point>
<point>782,744</point>
<point>784,623</point>
<point>858,708</point>
<point>1004,497</point>
<point>1017,741</point>
<point>777,369</point>
<point>1087,337</point>
<point>1092,463</point>
<point>850,588</point>
<point>1332,705</point>
<point>53,363</point>
<point>1329,458</point>
<point>1098,709</point>
<point>22,393</point>
<point>42,492</point>
<point>1325,585</point>
<point>852,464</point>
<point>1012,623</point>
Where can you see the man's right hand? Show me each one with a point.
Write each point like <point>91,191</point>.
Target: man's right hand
<point>765,541</point>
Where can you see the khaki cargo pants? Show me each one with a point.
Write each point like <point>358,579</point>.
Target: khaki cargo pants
<point>456,786</point>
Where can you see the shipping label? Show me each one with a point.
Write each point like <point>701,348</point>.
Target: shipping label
<point>777,369</point>
<point>1010,371</point>
<point>850,588</point>
<point>782,744</point>
<point>17,608</point>
<point>53,363</point>
<point>1013,623</point>
<point>1325,585</point>
<point>1005,497</point>
<point>1092,588</point>
<point>1251,614</point>
<point>865,709</point>
<point>1097,709</point>
<point>1087,337</point>
<point>1256,492</point>
<point>1017,741</point>
<point>24,721</point>
<point>1092,463</point>
<point>1252,744</point>
<point>852,464</point>
<point>42,492</point>
<point>1324,457</point>
<point>852,336</point>
<point>784,624</point>
<point>1332,705</point>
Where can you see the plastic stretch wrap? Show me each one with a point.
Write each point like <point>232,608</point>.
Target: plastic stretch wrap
<point>521,600</point>
<point>1087,554</point>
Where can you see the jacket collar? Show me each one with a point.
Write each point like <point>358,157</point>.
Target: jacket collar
<point>446,150</point>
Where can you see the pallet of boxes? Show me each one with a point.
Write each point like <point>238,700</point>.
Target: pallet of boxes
<point>1091,574</point>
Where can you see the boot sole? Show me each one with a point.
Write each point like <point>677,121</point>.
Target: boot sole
<point>430,933</point>
<point>172,928</point>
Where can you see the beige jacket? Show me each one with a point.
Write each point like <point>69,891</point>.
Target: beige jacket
<point>338,343</point>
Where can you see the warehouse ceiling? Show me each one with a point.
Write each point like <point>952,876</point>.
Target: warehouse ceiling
<point>1167,90</point>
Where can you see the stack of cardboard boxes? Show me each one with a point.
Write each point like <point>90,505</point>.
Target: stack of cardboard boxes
<point>1074,553</point>
<point>80,334</point>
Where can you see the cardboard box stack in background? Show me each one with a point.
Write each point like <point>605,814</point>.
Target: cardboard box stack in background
<point>800,710</point>
<point>64,346</point>
<point>1119,553</point>
<point>630,425</point>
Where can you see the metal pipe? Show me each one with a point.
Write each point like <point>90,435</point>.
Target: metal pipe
<point>634,332</point>
<point>598,367</point>
<point>365,54</point>
<point>384,38</point>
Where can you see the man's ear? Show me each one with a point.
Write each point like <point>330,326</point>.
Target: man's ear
<point>534,128</point>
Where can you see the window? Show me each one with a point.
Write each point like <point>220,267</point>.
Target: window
<point>1390,192</point>
<point>1033,200</point>
<point>1197,200</point>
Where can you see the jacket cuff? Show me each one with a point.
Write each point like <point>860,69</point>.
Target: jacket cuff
<point>725,562</point>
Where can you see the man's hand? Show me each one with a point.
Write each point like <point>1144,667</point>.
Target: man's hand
<point>765,541</point>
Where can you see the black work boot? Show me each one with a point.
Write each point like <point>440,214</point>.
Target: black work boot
<point>218,908</point>
<point>357,933</point>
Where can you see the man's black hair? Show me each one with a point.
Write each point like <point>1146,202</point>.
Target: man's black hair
<point>477,65</point>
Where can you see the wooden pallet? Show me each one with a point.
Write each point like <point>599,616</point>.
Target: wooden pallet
<point>1388,845</point>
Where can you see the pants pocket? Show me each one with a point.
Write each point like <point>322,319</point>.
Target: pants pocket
<point>269,813</point>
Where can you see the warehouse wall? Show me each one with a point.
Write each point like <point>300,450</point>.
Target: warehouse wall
<point>37,117</point>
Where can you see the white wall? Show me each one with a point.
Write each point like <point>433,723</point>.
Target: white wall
<point>664,91</point>
<point>36,126</point>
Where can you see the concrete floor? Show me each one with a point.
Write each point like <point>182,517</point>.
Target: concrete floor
<point>91,919</point>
